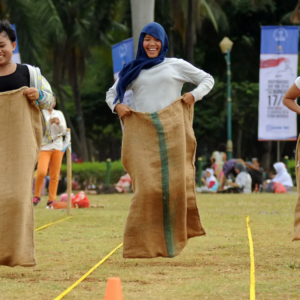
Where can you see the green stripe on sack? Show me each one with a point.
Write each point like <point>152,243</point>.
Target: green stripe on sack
<point>165,182</point>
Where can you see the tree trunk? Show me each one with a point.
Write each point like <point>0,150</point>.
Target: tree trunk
<point>77,99</point>
<point>190,32</point>
<point>239,143</point>
<point>57,78</point>
<point>266,158</point>
<point>142,13</point>
<point>74,135</point>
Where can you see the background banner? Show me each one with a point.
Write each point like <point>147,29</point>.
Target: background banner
<point>123,53</point>
<point>278,71</point>
<point>16,58</point>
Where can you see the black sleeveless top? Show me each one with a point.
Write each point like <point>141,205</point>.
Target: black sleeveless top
<point>15,80</point>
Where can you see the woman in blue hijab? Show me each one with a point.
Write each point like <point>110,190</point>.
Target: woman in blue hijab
<point>163,213</point>
<point>156,81</point>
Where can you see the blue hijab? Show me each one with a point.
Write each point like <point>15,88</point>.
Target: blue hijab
<point>132,70</point>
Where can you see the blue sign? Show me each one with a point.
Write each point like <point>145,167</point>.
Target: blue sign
<point>122,54</point>
<point>279,40</point>
<point>17,48</point>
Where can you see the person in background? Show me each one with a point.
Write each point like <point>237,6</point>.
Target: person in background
<point>256,173</point>
<point>50,155</point>
<point>210,183</point>
<point>243,180</point>
<point>229,170</point>
<point>124,184</point>
<point>282,176</point>
<point>218,159</point>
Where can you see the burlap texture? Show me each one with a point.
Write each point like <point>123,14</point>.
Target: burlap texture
<point>21,137</point>
<point>297,209</point>
<point>158,151</point>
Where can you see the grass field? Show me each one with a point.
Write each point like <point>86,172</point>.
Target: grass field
<point>216,266</point>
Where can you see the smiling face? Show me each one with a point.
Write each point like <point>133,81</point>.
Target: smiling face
<point>152,46</point>
<point>6,49</point>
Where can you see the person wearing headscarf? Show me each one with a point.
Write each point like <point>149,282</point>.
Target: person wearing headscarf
<point>282,176</point>
<point>243,180</point>
<point>156,82</point>
<point>218,159</point>
<point>210,183</point>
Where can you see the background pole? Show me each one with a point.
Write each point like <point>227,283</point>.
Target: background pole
<point>199,171</point>
<point>69,176</point>
<point>107,180</point>
<point>229,138</point>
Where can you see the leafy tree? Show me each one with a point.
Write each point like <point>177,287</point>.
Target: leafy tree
<point>71,28</point>
<point>20,13</point>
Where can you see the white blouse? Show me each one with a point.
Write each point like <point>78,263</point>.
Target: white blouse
<point>157,87</point>
<point>56,131</point>
<point>244,181</point>
<point>297,82</point>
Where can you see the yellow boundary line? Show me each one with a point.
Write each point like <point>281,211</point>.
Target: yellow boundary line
<point>252,265</point>
<point>40,228</point>
<point>88,273</point>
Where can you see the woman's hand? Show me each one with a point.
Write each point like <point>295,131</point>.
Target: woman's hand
<point>123,110</point>
<point>32,94</point>
<point>55,121</point>
<point>188,98</point>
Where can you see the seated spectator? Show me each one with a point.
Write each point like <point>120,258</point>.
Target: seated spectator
<point>229,170</point>
<point>243,180</point>
<point>256,173</point>
<point>210,183</point>
<point>123,185</point>
<point>282,176</point>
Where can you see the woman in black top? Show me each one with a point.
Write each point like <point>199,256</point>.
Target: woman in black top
<point>16,211</point>
<point>14,76</point>
<point>15,80</point>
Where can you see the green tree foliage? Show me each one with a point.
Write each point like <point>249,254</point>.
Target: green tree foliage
<point>71,41</point>
<point>20,13</point>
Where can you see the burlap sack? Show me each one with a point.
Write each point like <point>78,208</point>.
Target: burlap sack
<point>158,151</point>
<point>21,137</point>
<point>297,209</point>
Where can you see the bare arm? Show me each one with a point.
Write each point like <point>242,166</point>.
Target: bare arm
<point>233,184</point>
<point>289,98</point>
<point>250,166</point>
<point>224,157</point>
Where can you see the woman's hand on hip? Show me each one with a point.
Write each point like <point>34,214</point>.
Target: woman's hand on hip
<point>188,98</point>
<point>32,94</point>
<point>123,110</point>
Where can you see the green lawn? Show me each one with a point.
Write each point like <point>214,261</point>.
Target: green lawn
<point>213,267</point>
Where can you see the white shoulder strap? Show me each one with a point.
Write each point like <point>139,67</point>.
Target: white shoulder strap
<point>34,74</point>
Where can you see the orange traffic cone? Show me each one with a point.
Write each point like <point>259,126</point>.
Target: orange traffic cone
<point>113,289</point>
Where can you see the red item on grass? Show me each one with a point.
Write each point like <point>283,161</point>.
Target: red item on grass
<point>81,200</point>
<point>279,188</point>
<point>61,205</point>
